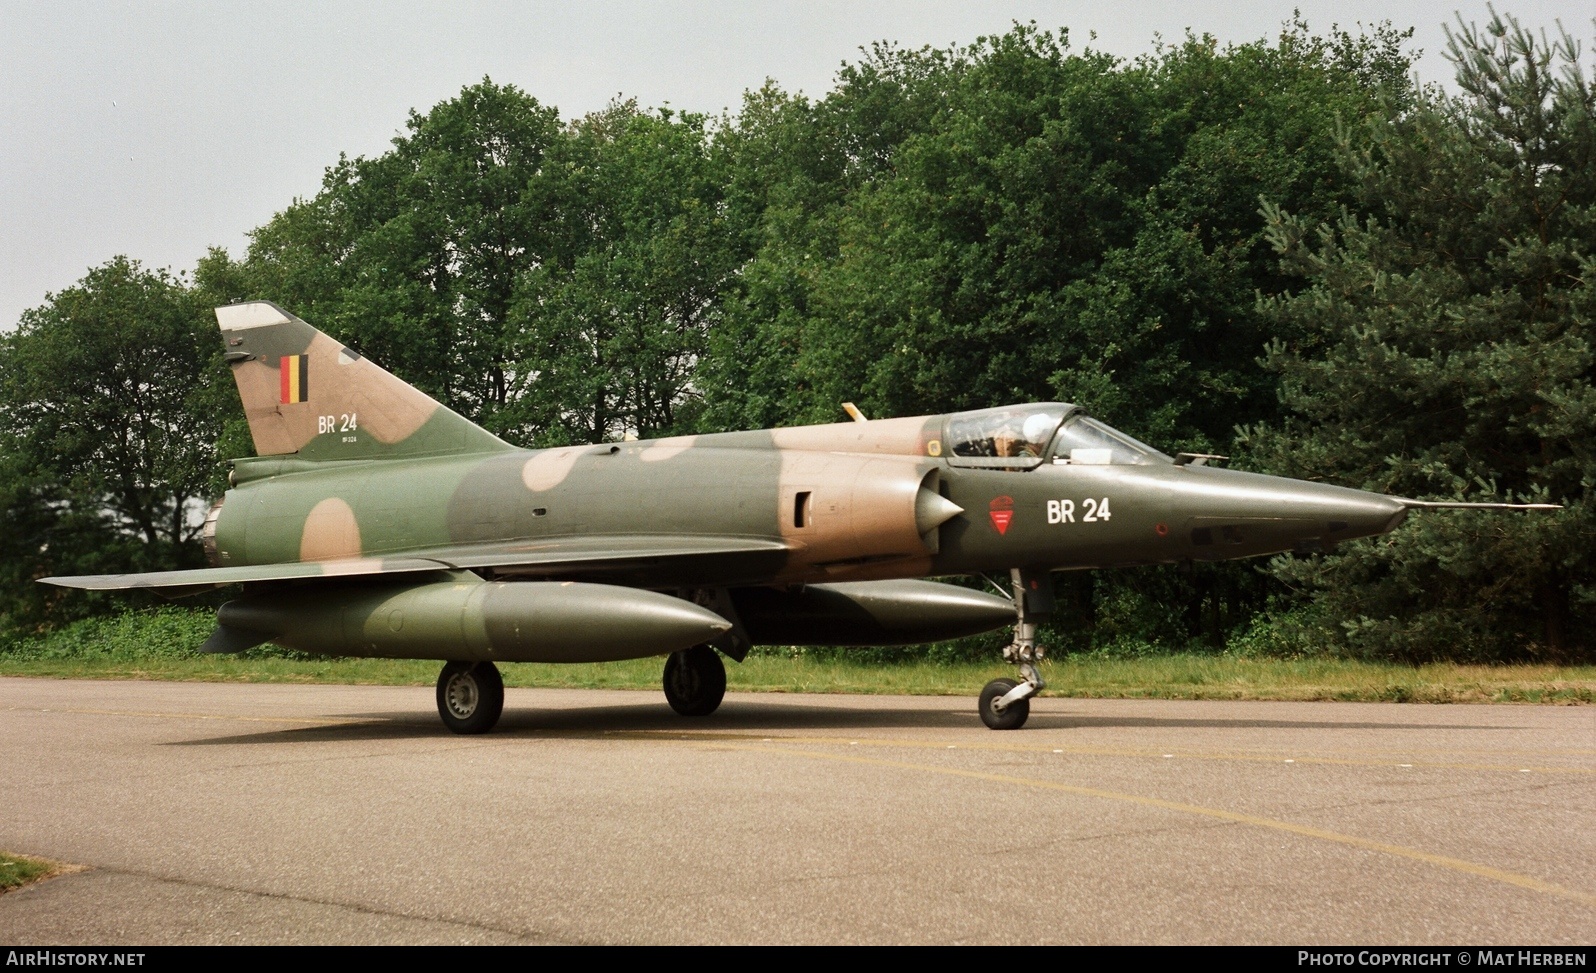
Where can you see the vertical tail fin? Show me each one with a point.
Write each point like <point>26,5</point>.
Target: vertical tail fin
<point>306,394</point>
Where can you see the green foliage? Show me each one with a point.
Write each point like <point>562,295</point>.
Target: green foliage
<point>158,633</point>
<point>1442,350</point>
<point>109,417</point>
<point>1034,223</point>
<point>973,650</point>
<point>616,320</point>
<point>412,256</point>
<point>155,633</point>
<point>555,283</point>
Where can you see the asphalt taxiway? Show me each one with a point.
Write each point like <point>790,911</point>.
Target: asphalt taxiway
<point>223,813</point>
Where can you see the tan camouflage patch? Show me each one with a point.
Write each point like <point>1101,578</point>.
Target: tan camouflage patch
<point>838,507</point>
<point>359,399</point>
<point>258,388</point>
<point>330,532</point>
<point>351,566</point>
<point>549,468</point>
<point>389,409</point>
<point>901,437</point>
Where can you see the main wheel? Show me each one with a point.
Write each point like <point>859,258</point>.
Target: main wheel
<point>695,681</point>
<point>1013,716</point>
<point>470,696</point>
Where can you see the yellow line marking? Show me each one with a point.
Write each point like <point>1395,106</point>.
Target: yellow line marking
<point>1393,751</point>
<point>1400,851</point>
<point>1269,758</point>
<point>1414,854</point>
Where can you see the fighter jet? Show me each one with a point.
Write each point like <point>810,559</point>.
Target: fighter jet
<point>373,521</point>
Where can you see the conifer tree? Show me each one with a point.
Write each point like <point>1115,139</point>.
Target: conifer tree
<point>1442,350</point>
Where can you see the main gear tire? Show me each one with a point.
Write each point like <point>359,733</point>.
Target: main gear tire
<point>1013,716</point>
<point>470,696</point>
<point>695,681</point>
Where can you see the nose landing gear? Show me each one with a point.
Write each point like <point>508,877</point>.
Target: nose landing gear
<point>1006,704</point>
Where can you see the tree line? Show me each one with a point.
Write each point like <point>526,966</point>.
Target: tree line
<point>1287,251</point>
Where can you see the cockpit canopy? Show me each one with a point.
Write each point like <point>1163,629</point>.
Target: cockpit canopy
<point>1023,437</point>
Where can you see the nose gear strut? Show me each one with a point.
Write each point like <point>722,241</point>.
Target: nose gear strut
<point>1005,704</point>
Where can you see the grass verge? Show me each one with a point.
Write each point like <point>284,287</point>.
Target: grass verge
<point>19,870</point>
<point>1179,676</point>
<point>162,643</point>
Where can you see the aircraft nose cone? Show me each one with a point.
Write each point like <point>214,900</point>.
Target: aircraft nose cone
<point>1368,514</point>
<point>1342,513</point>
<point>1235,514</point>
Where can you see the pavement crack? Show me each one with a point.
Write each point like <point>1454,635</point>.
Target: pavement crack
<point>1418,799</point>
<point>201,772</point>
<point>534,936</point>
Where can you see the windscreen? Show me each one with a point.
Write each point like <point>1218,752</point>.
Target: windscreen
<point>1085,441</point>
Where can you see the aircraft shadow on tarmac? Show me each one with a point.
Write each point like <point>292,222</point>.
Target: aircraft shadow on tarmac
<point>742,716</point>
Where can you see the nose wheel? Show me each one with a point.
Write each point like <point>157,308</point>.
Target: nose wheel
<point>695,681</point>
<point>1006,704</point>
<point>1012,716</point>
<point>470,696</point>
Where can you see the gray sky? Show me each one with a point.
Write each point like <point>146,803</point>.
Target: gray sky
<point>158,129</point>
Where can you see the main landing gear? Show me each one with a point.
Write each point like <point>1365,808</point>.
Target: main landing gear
<point>1006,704</point>
<point>470,696</point>
<point>695,681</point>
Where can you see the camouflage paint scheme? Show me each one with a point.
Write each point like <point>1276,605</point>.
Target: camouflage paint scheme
<point>373,503</point>
<point>374,521</point>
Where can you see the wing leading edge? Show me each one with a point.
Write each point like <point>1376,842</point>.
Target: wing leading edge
<point>541,557</point>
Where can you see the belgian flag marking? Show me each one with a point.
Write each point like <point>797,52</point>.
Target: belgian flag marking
<point>295,375</point>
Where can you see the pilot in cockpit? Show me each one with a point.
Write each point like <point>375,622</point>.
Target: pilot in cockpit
<point>1024,435</point>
